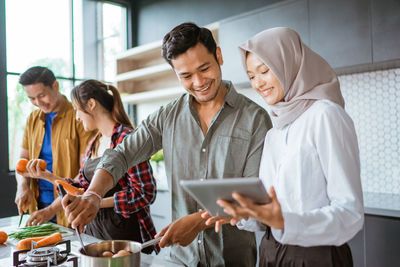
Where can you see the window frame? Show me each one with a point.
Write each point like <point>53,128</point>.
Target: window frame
<point>4,74</point>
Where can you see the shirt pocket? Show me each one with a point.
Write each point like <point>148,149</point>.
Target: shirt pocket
<point>233,154</point>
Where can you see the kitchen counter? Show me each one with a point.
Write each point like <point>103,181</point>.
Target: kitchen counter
<point>382,204</point>
<point>10,224</point>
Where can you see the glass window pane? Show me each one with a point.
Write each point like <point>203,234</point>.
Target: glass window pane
<point>114,34</point>
<point>113,20</point>
<point>19,108</point>
<point>39,33</point>
<point>66,87</point>
<point>78,39</point>
<point>110,52</point>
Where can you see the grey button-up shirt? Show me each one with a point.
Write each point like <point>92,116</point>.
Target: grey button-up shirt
<point>232,147</point>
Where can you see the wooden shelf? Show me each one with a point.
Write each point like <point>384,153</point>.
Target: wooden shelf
<point>152,95</point>
<point>144,73</point>
<point>142,70</point>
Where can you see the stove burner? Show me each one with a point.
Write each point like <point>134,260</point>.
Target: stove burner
<point>46,256</point>
<point>43,254</point>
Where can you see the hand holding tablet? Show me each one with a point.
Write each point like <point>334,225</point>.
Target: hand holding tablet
<point>207,192</point>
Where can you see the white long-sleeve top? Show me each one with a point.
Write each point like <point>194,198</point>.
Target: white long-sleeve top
<point>314,165</point>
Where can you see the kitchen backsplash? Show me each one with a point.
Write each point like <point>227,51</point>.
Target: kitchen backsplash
<point>373,101</point>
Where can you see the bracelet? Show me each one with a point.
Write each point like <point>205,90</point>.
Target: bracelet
<point>91,192</point>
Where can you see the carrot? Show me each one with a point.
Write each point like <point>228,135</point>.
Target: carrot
<point>43,165</point>
<point>21,165</point>
<point>70,188</point>
<point>3,237</point>
<point>49,240</point>
<point>26,243</point>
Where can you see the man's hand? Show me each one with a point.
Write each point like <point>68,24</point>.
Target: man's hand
<point>41,216</point>
<point>182,231</point>
<point>217,221</point>
<point>23,198</point>
<point>80,209</point>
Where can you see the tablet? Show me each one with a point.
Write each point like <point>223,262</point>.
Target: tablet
<point>206,192</point>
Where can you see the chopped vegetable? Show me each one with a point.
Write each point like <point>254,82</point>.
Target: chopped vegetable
<point>70,188</point>
<point>3,237</point>
<point>26,243</point>
<point>41,241</point>
<point>49,240</point>
<point>35,231</point>
<point>21,165</point>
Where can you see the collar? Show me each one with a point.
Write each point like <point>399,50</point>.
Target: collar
<point>230,97</point>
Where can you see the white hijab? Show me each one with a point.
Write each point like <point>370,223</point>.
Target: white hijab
<point>304,75</point>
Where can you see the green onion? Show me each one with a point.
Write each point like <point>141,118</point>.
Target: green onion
<point>35,231</point>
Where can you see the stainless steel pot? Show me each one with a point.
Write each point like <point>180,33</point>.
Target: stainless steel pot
<point>93,257</point>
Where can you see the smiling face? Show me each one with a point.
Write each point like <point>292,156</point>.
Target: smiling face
<point>263,80</point>
<point>44,97</point>
<point>199,72</point>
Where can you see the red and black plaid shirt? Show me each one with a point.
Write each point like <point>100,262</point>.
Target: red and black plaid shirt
<point>138,187</point>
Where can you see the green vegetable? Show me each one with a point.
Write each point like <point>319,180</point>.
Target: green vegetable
<point>35,231</point>
<point>157,157</point>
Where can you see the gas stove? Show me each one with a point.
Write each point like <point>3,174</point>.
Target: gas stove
<point>46,256</point>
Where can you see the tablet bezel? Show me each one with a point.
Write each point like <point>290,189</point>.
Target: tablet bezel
<point>206,192</point>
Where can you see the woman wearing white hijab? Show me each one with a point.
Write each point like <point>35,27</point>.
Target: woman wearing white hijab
<point>310,159</point>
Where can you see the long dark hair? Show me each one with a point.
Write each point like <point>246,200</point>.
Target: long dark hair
<point>106,94</point>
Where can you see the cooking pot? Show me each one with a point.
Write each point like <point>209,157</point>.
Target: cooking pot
<point>93,257</point>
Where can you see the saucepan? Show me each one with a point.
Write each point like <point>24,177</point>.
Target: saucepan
<point>94,258</point>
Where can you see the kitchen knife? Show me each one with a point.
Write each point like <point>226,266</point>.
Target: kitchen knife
<point>20,219</point>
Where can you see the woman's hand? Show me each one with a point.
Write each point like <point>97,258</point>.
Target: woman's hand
<point>269,214</point>
<point>33,170</point>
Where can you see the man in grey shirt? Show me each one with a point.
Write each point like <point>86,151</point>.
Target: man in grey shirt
<point>212,132</point>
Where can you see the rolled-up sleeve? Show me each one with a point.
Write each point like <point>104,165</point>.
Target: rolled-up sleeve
<point>251,225</point>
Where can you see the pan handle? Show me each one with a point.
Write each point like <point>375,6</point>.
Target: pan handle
<point>150,242</point>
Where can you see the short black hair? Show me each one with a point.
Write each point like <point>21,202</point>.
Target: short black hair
<point>185,36</point>
<point>37,74</point>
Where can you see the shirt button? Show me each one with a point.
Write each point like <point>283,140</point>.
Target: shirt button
<point>203,150</point>
<point>199,241</point>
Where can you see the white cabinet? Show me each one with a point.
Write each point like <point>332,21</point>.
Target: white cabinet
<point>144,76</point>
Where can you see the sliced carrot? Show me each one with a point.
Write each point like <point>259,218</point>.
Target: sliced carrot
<point>43,165</point>
<point>49,240</point>
<point>26,243</point>
<point>70,188</point>
<point>21,165</point>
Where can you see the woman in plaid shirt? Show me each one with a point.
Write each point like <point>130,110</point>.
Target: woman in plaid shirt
<point>125,212</point>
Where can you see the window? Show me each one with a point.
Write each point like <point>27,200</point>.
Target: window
<point>112,39</point>
<point>57,35</point>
